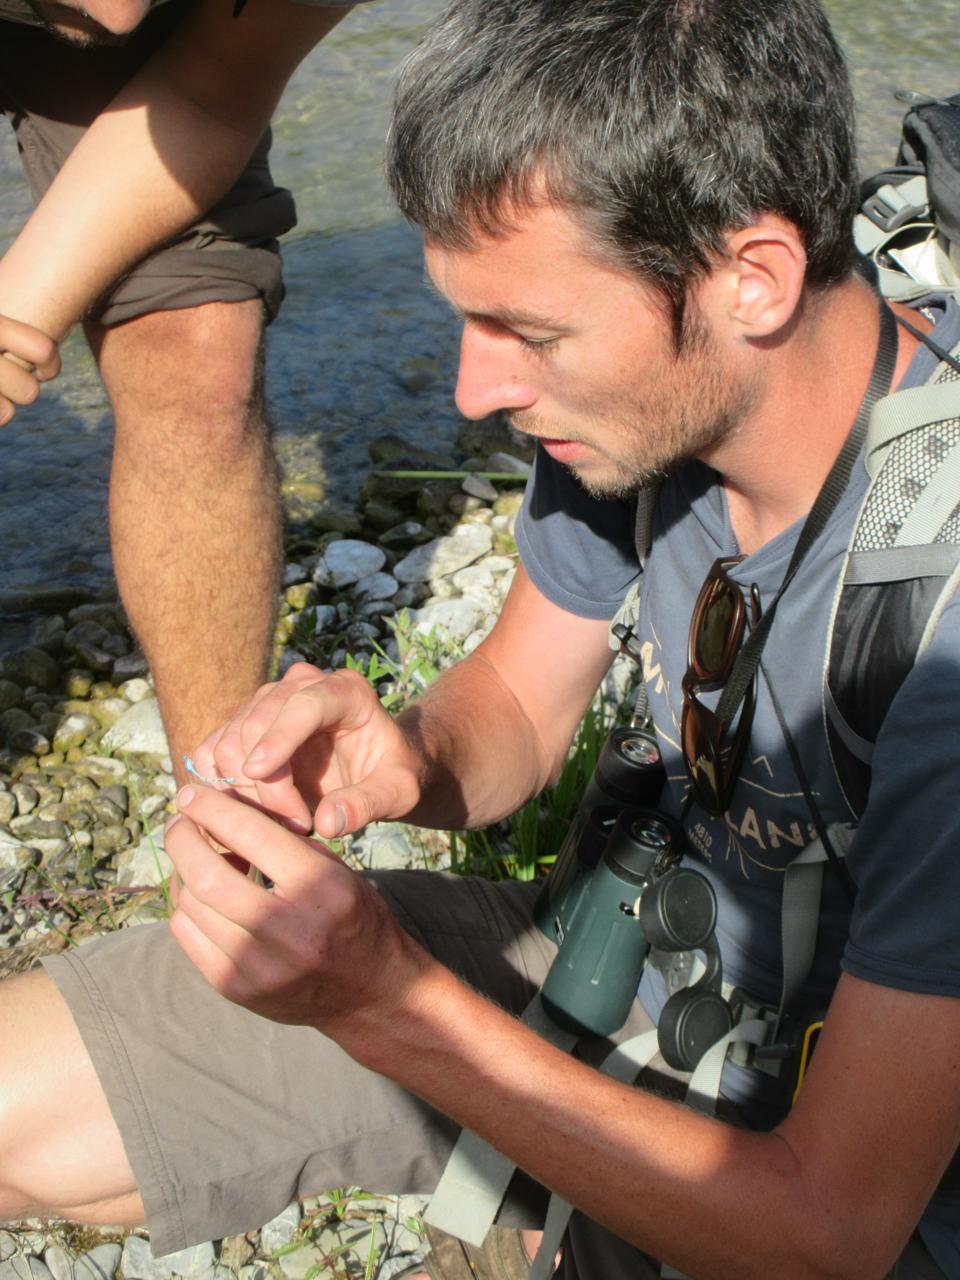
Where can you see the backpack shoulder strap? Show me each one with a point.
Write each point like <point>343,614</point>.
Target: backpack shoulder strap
<point>901,568</point>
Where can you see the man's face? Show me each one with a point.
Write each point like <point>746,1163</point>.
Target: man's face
<point>96,22</point>
<point>580,355</point>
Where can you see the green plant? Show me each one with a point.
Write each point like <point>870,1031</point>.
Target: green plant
<point>421,656</point>
<point>525,845</point>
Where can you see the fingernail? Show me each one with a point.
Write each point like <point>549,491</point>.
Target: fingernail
<point>185,797</point>
<point>341,826</point>
<point>256,756</point>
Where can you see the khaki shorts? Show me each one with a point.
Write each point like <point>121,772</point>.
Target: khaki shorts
<point>227,1117</point>
<point>51,92</point>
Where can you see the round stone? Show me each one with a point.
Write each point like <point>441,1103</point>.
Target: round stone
<point>347,561</point>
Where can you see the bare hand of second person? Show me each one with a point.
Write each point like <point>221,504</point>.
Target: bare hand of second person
<point>27,358</point>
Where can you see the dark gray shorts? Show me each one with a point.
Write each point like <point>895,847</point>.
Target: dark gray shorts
<point>51,92</point>
<point>226,1117</point>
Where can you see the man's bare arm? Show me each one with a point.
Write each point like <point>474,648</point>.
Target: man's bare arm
<point>833,1194</point>
<point>168,146</point>
<point>490,733</point>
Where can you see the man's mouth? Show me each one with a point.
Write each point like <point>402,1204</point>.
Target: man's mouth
<point>567,451</point>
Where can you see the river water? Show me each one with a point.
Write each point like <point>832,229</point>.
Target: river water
<point>358,327</point>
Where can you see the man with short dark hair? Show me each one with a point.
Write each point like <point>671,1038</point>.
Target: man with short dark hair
<point>640,209</point>
<point>141,128</point>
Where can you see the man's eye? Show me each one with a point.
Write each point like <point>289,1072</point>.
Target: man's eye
<point>540,346</point>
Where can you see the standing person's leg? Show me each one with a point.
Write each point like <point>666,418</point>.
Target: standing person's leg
<point>194,498</point>
<point>194,505</point>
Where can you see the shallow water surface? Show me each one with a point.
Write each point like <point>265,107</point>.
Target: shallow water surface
<point>357,319</point>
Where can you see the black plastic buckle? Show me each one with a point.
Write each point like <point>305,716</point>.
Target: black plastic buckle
<point>629,643</point>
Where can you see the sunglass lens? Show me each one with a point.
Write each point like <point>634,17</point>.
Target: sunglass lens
<point>715,632</point>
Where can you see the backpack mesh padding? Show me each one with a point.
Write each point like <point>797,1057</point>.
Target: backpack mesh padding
<point>878,626</point>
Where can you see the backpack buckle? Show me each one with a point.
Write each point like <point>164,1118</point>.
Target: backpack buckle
<point>889,210</point>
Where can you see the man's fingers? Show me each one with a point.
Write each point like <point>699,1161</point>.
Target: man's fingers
<point>283,857</point>
<point>389,792</point>
<point>217,967</point>
<point>28,346</point>
<point>16,383</point>
<point>342,701</point>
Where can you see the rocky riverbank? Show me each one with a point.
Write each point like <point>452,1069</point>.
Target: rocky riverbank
<point>403,583</point>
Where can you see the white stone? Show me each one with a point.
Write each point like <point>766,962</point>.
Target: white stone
<point>476,577</point>
<point>443,556</point>
<point>8,1245</point>
<point>348,561</point>
<point>456,618</point>
<point>146,863</point>
<point>13,853</point>
<point>473,641</point>
<point>139,729</point>
<point>279,1231</point>
<point>376,586</point>
<point>136,690</point>
<point>383,846</point>
<point>498,564</point>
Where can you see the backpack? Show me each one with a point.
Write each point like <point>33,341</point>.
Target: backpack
<point>903,562</point>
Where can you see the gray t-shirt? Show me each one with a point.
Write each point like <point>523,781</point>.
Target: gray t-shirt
<point>904,928</point>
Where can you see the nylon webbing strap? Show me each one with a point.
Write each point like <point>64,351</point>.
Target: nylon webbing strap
<point>624,1064</point>
<point>476,1177</point>
<point>906,411</point>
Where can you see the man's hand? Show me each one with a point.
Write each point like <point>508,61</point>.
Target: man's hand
<point>320,949</point>
<point>29,358</point>
<point>317,750</point>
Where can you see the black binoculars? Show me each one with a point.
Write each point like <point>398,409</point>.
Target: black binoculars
<point>616,890</point>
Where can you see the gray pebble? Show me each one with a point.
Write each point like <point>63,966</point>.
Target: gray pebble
<point>117,795</point>
<point>8,1245</point>
<point>100,1263</point>
<point>326,619</point>
<point>376,586</point>
<point>20,1268</point>
<point>30,826</point>
<point>299,1263</point>
<point>507,462</point>
<point>60,1263</point>
<point>279,1231</point>
<point>479,487</point>
<point>138,1262</point>
<point>254,1271</point>
<point>31,740</point>
<point>348,561</point>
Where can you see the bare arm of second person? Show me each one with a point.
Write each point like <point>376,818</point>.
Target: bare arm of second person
<point>168,146</point>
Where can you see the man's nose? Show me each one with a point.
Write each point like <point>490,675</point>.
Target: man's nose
<point>491,376</point>
<point>119,16</point>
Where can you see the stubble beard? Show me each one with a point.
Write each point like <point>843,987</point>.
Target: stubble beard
<point>95,39</point>
<point>696,407</point>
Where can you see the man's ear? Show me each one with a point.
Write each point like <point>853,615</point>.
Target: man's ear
<point>765,270</point>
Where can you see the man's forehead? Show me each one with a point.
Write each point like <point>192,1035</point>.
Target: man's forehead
<point>539,269</point>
